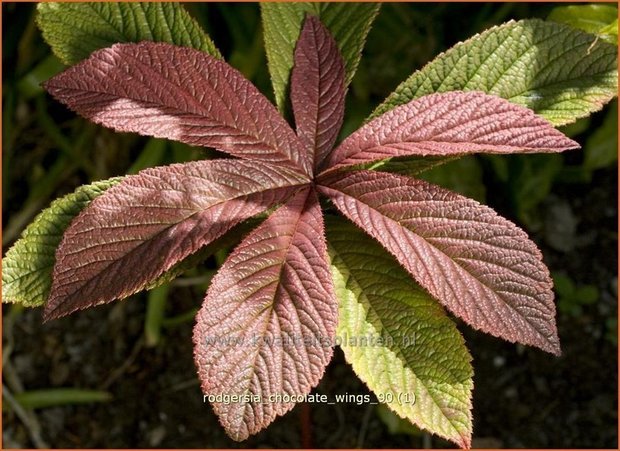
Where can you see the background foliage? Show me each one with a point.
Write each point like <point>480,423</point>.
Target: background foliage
<point>136,352</point>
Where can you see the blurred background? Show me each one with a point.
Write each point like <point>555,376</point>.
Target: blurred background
<point>122,375</point>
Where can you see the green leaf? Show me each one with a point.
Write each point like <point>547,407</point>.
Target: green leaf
<point>408,165</point>
<point>572,297</point>
<point>463,175</point>
<point>152,155</point>
<point>559,72</point>
<point>601,20</point>
<point>155,310</point>
<point>39,399</point>
<point>398,339</point>
<point>601,148</point>
<point>27,266</point>
<point>611,31</point>
<point>530,180</point>
<point>30,84</point>
<point>75,30</point>
<point>348,23</point>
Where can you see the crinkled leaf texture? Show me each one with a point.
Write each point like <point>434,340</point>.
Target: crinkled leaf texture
<point>178,93</point>
<point>149,222</point>
<point>348,23</point>
<point>452,123</point>
<point>558,72</point>
<point>317,90</point>
<point>76,29</point>
<point>398,339</point>
<point>27,266</point>
<point>268,321</point>
<point>479,265</point>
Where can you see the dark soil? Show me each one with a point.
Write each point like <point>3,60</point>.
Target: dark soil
<point>522,398</point>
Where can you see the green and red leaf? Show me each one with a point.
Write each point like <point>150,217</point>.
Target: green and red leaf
<point>452,123</point>
<point>398,339</point>
<point>143,226</point>
<point>481,266</point>
<point>268,321</point>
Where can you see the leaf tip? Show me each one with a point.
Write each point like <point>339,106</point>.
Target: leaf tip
<point>52,312</point>
<point>554,348</point>
<point>465,441</point>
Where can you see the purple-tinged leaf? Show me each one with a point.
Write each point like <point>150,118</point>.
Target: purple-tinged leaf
<point>162,90</point>
<point>317,90</point>
<point>451,123</point>
<point>479,265</point>
<point>268,321</point>
<point>141,227</point>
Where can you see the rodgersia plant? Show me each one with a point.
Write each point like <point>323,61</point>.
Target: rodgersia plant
<point>270,318</point>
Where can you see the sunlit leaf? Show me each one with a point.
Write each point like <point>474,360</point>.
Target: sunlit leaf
<point>448,124</point>
<point>598,19</point>
<point>76,29</point>
<point>181,94</point>
<point>348,23</point>
<point>479,265</point>
<point>149,222</point>
<point>267,325</point>
<point>27,266</point>
<point>398,339</point>
<point>559,72</point>
<point>317,85</point>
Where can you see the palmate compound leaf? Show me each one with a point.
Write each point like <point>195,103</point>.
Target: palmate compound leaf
<point>146,224</point>
<point>348,23</point>
<point>560,73</point>
<point>481,266</point>
<point>76,29</point>
<point>27,265</point>
<point>398,339</point>
<point>317,90</point>
<point>267,325</point>
<point>178,93</point>
<point>268,321</point>
<point>451,123</point>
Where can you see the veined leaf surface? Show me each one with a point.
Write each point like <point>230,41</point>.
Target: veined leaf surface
<point>348,23</point>
<point>452,123</point>
<point>178,93</point>
<point>268,321</point>
<point>27,265</point>
<point>143,226</point>
<point>317,90</point>
<point>413,350</point>
<point>481,266</point>
<point>559,72</point>
<point>76,29</point>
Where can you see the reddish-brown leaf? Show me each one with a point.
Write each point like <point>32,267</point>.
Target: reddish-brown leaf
<point>317,90</point>
<point>166,91</point>
<point>268,321</point>
<point>478,264</point>
<point>141,227</point>
<point>451,123</point>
